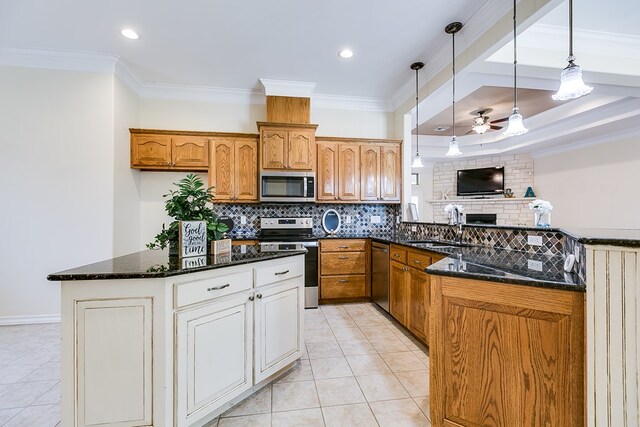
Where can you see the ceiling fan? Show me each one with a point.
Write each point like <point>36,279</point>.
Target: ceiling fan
<point>481,123</point>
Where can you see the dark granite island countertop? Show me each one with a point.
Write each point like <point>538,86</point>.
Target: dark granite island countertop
<point>158,263</point>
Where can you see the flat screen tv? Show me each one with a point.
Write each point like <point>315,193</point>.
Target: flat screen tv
<point>478,182</point>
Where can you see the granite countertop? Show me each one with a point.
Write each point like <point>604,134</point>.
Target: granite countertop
<point>158,263</point>
<point>605,236</point>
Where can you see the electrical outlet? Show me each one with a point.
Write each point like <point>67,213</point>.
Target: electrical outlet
<point>414,228</point>
<point>348,219</point>
<point>243,220</point>
<point>398,219</point>
<point>532,264</point>
<point>375,219</point>
<point>534,240</point>
<point>243,249</point>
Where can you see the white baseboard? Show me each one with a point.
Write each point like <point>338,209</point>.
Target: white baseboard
<point>29,320</point>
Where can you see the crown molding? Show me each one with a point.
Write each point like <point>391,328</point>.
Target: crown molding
<point>338,102</point>
<point>58,60</point>
<point>201,93</point>
<point>588,142</point>
<point>288,88</point>
<point>128,76</point>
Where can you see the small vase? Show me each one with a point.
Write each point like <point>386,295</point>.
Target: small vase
<point>542,218</point>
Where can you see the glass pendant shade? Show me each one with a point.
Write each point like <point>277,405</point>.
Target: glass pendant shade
<point>454,150</point>
<point>417,161</point>
<point>516,127</point>
<point>480,129</point>
<point>571,84</point>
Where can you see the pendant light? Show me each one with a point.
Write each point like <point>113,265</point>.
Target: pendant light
<point>571,84</point>
<point>454,149</point>
<point>417,160</point>
<point>516,127</point>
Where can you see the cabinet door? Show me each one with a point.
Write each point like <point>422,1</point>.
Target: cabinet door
<point>246,169</point>
<point>189,152</point>
<point>150,150</point>
<point>327,173</point>
<point>301,147</point>
<point>274,146</point>
<point>419,302</point>
<point>114,362</point>
<point>221,172</point>
<point>278,326</point>
<point>348,173</point>
<point>213,356</point>
<point>369,172</point>
<point>390,173</point>
<point>398,292</point>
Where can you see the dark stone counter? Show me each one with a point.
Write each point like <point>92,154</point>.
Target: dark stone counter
<point>158,263</point>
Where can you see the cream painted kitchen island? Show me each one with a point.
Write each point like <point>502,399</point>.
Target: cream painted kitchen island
<point>146,342</point>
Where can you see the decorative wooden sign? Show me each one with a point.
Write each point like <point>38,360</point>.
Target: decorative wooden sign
<point>219,247</point>
<point>192,238</point>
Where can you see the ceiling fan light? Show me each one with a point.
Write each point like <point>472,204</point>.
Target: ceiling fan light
<point>417,161</point>
<point>480,129</point>
<point>516,127</point>
<point>454,150</point>
<point>571,84</point>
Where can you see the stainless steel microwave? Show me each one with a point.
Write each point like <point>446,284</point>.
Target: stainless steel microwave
<point>287,187</point>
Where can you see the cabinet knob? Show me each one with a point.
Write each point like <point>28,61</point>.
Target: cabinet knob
<point>259,296</point>
<point>396,255</point>
<point>251,298</point>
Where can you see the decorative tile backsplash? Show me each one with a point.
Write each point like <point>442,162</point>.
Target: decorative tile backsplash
<point>360,216</point>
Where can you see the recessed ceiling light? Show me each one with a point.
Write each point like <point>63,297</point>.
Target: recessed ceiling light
<point>130,34</point>
<point>441,128</point>
<point>345,53</point>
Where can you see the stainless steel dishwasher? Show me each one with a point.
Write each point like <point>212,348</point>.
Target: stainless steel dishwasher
<point>380,275</point>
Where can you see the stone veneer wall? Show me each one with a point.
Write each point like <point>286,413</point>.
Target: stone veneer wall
<point>518,175</point>
<point>360,216</point>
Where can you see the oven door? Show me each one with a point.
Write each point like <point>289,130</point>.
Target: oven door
<point>287,187</point>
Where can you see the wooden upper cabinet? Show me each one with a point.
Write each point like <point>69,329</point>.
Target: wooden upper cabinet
<point>390,172</point>
<point>300,150</point>
<point>234,169</point>
<point>369,172</point>
<point>246,169</point>
<point>150,151</point>
<point>287,146</point>
<point>274,148</point>
<point>348,172</point>
<point>327,171</point>
<point>191,152</point>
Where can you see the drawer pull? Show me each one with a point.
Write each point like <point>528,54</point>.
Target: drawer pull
<point>343,281</point>
<point>217,288</point>
<point>343,257</point>
<point>280,273</point>
<point>417,261</point>
<point>343,247</point>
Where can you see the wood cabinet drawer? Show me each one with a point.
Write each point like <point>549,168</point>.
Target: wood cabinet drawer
<point>398,254</point>
<point>418,260</point>
<point>278,273</point>
<point>342,286</point>
<point>215,287</point>
<point>343,245</point>
<point>342,263</point>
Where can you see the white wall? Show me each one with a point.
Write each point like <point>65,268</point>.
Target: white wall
<point>597,186</point>
<point>57,200</point>
<point>423,192</point>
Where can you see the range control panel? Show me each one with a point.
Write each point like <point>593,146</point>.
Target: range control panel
<point>286,223</point>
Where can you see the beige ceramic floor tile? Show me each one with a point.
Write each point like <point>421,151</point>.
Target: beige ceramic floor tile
<point>424,403</point>
<point>45,416</point>
<point>339,391</point>
<point>301,372</point>
<point>422,356</point>
<point>337,323</point>
<point>381,387</point>
<point>403,361</point>
<point>399,413</point>
<point>358,415</point>
<point>262,420</point>
<point>14,372</point>
<point>296,395</point>
<point>50,371</point>
<point>258,403</point>
<point>7,414</point>
<point>416,383</point>
<point>52,397</point>
<point>367,364</point>
<point>388,345</point>
<point>320,335</point>
<point>323,350</point>
<point>302,417</point>
<point>348,334</point>
<point>20,395</point>
<point>354,348</point>
<point>333,367</point>
<point>377,333</point>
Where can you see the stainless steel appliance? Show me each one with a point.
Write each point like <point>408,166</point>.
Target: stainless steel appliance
<point>286,234</point>
<point>380,275</point>
<point>287,187</point>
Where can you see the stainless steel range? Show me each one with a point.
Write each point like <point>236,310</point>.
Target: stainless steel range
<point>286,234</point>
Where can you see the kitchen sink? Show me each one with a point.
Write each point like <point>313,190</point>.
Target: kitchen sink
<point>431,243</point>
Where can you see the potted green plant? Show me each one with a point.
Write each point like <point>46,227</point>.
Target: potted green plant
<point>188,203</point>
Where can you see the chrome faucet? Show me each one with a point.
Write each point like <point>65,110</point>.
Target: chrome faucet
<point>456,219</point>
